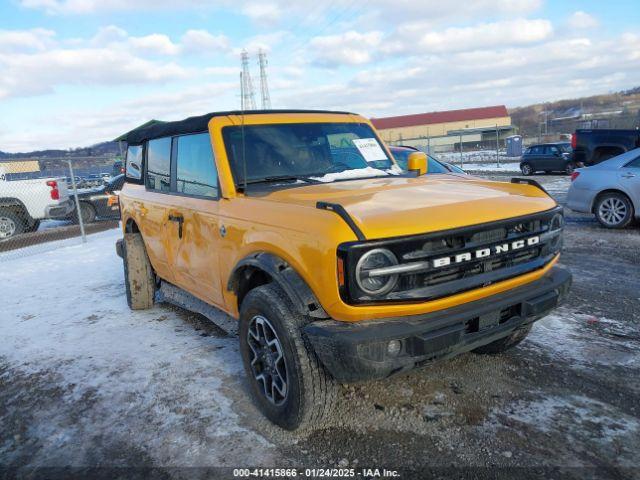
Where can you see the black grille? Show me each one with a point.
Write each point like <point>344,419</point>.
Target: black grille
<point>433,282</point>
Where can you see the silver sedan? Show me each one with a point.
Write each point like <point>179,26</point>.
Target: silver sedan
<point>610,190</point>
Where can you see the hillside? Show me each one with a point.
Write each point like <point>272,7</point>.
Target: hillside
<point>104,149</point>
<point>612,110</point>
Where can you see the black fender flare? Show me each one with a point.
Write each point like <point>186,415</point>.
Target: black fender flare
<point>284,275</point>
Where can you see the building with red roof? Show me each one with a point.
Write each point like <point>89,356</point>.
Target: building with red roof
<point>474,124</point>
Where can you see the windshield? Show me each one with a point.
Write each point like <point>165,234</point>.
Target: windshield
<point>401,156</point>
<point>308,152</point>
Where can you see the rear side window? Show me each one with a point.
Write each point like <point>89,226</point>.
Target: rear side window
<point>551,150</point>
<point>634,163</point>
<point>134,162</point>
<point>159,164</point>
<point>196,172</point>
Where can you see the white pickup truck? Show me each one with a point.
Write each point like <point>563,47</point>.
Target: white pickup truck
<point>23,203</point>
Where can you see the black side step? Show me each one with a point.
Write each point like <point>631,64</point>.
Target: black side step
<point>340,210</point>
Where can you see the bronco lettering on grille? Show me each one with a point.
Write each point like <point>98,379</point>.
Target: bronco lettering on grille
<point>485,252</point>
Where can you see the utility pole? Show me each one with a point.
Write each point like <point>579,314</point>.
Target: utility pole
<point>248,95</point>
<point>264,86</point>
<point>497,146</point>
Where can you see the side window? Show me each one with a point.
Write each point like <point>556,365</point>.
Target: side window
<point>634,163</point>
<point>551,150</point>
<point>196,172</point>
<point>159,164</point>
<point>537,150</point>
<point>134,162</point>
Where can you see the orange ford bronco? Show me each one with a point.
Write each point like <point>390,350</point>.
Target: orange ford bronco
<point>337,265</point>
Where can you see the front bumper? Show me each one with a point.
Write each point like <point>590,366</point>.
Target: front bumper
<point>60,210</point>
<point>358,351</point>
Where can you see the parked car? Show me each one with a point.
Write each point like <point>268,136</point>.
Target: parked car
<point>117,169</point>
<point>401,155</point>
<point>547,157</point>
<point>591,147</point>
<point>338,266</point>
<point>24,203</point>
<point>610,190</point>
<point>99,202</point>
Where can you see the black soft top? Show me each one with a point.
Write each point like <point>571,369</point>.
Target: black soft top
<point>158,129</point>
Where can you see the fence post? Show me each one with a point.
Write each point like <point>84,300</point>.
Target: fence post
<point>497,146</point>
<point>75,194</point>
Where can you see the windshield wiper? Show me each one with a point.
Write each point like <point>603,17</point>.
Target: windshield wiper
<point>280,178</point>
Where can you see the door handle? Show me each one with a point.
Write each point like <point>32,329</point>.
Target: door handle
<point>180,220</point>
<point>628,175</point>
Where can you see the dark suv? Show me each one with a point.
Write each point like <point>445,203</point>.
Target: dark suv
<point>548,157</point>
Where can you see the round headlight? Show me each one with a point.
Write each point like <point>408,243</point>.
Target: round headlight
<point>376,284</point>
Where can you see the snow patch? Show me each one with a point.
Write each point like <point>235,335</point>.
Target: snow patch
<point>155,380</point>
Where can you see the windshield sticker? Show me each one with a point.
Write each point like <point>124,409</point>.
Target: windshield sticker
<point>370,149</point>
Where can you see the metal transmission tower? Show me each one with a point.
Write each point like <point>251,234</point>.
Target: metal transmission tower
<point>247,94</point>
<point>264,86</point>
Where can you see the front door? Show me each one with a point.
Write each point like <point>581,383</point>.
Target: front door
<point>194,218</point>
<point>629,180</point>
<point>551,159</point>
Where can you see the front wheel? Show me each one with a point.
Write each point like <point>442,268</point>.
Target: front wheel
<point>526,169</point>
<point>287,382</point>
<point>614,210</point>
<point>506,343</point>
<point>569,168</point>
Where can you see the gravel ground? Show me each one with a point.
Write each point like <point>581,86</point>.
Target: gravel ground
<point>91,384</point>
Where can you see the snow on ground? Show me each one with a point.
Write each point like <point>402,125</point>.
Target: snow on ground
<point>599,426</point>
<point>585,340</point>
<point>65,315</point>
<point>489,167</point>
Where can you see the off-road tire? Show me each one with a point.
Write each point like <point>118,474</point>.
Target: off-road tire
<point>12,224</point>
<point>33,227</point>
<point>614,198</point>
<point>506,343</point>
<point>311,391</point>
<point>87,212</point>
<point>139,278</point>
<point>569,168</point>
<point>526,169</point>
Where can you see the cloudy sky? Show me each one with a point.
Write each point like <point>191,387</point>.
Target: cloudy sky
<point>77,72</point>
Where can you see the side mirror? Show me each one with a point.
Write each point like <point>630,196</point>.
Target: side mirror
<point>417,162</point>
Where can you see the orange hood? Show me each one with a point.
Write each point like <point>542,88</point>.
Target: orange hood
<point>396,206</point>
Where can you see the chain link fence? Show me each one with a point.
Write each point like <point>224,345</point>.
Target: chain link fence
<point>56,199</point>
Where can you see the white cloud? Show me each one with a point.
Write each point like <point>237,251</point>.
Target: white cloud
<point>201,41</point>
<point>25,40</point>
<point>263,12</point>
<point>155,44</point>
<point>349,48</point>
<point>33,74</point>
<point>582,19</point>
<point>482,36</point>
